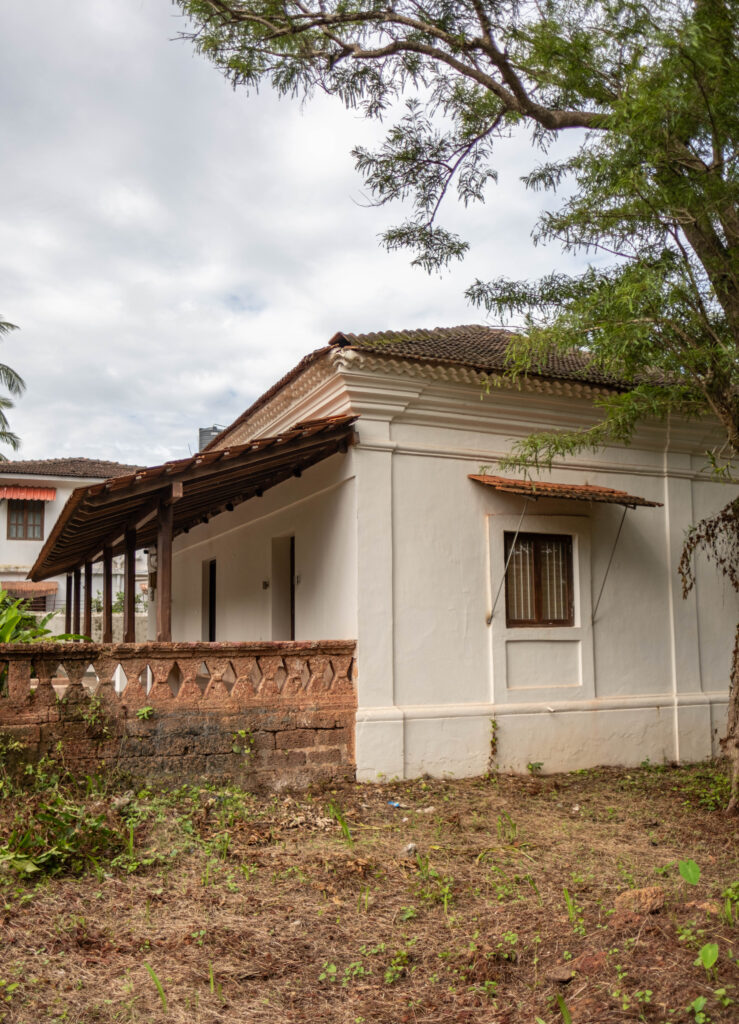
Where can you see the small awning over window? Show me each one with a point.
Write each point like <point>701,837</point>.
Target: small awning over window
<point>27,588</point>
<point>574,492</point>
<point>28,493</point>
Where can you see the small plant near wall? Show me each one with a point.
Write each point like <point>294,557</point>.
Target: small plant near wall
<point>242,742</point>
<point>93,715</point>
<point>144,714</point>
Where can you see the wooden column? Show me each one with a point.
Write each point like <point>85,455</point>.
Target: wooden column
<point>164,572</point>
<point>87,614</point>
<point>129,589</point>
<point>76,578</point>
<point>68,606</point>
<point>107,596</point>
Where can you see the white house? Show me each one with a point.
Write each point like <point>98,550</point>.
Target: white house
<point>493,617</point>
<point>32,494</point>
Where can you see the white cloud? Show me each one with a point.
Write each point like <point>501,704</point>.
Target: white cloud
<point>170,247</point>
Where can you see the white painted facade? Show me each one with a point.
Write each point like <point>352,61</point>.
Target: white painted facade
<point>396,547</point>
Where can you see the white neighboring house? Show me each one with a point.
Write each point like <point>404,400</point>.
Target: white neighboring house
<point>33,492</point>
<point>587,655</point>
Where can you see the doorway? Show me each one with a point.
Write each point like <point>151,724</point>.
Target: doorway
<point>283,588</point>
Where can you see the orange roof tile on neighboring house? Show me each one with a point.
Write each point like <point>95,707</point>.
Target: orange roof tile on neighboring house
<point>73,466</point>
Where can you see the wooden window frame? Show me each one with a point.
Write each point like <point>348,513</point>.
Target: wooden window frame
<point>537,540</point>
<point>12,504</point>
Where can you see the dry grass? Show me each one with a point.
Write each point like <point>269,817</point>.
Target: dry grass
<point>249,908</point>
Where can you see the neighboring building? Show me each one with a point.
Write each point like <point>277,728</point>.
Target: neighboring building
<point>553,610</point>
<point>33,493</point>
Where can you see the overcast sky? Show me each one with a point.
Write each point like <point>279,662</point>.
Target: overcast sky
<point>169,247</point>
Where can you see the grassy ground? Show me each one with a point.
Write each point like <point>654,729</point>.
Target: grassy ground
<point>516,900</point>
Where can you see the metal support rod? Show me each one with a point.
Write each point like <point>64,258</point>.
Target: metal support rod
<point>489,618</point>
<point>608,567</point>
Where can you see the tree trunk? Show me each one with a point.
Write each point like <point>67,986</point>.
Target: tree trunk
<point>730,742</point>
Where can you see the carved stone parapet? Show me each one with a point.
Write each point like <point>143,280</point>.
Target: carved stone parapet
<point>183,706</point>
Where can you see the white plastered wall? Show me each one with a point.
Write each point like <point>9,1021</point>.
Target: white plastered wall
<point>318,509</point>
<point>646,677</point>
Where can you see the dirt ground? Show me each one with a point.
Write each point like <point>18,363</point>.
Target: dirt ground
<point>596,896</point>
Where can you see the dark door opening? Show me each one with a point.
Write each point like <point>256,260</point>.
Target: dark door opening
<point>209,601</point>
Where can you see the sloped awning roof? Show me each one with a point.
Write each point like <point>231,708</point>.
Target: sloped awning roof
<point>574,492</point>
<point>28,493</point>
<point>32,589</point>
<point>198,487</point>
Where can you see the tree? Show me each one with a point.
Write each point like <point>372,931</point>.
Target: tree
<point>648,90</point>
<point>15,384</point>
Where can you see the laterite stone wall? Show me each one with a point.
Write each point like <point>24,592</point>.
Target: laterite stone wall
<point>269,715</point>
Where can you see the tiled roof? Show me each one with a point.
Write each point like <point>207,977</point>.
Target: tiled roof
<point>473,345</point>
<point>88,469</point>
<point>576,492</point>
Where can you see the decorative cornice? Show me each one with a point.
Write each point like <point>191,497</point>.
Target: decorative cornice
<point>339,361</point>
<point>351,359</point>
<point>341,380</point>
<point>303,385</point>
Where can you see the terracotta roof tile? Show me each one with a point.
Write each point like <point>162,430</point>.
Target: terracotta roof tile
<point>577,492</point>
<point>473,345</point>
<point>93,469</point>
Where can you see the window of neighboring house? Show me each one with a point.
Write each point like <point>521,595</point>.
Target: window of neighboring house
<point>538,587</point>
<point>25,520</point>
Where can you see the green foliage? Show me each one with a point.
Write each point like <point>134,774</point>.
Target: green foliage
<point>19,626</point>
<point>696,1008</point>
<point>94,717</point>
<point>144,714</point>
<point>242,742</point>
<point>57,834</point>
<point>566,1015</point>
<point>574,912</point>
<point>15,385</point>
<point>139,600</point>
<point>707,956</point>
<point>337,814</point>
<point>690,871</point>
<point>158,984</point>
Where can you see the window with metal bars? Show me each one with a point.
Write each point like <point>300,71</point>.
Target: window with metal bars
<point>25,520</point>
<point>538,586</point>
